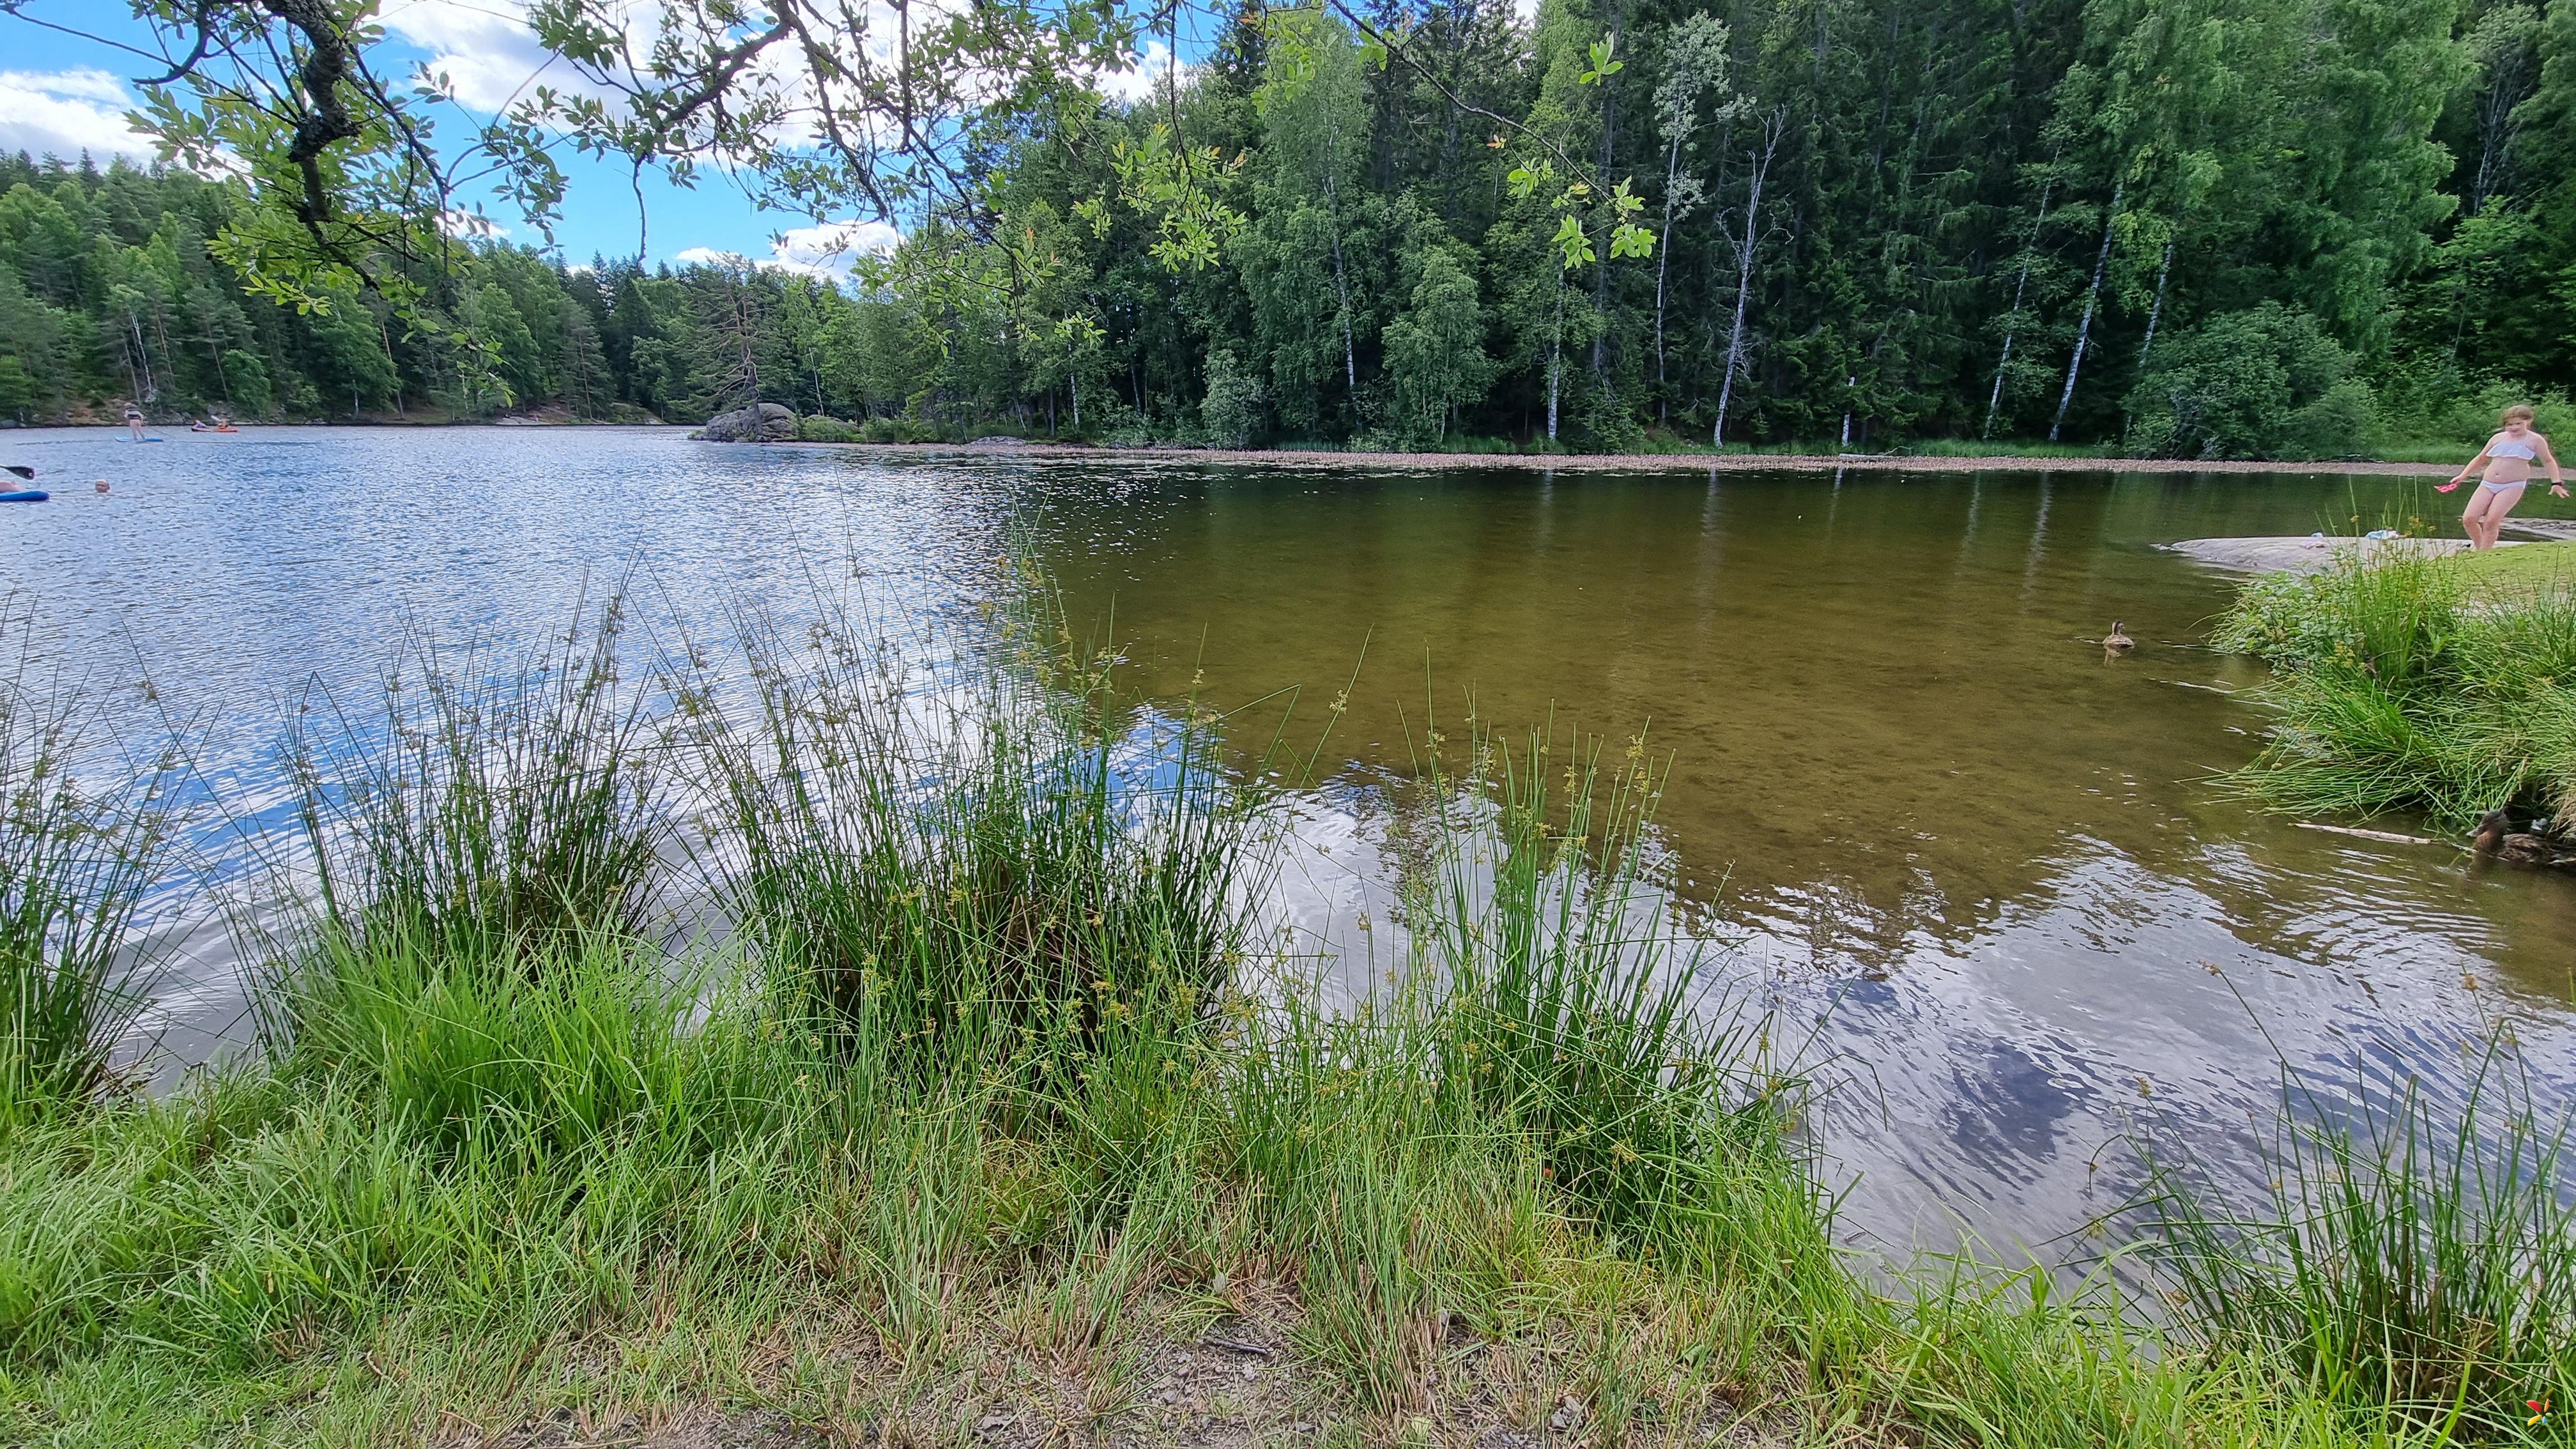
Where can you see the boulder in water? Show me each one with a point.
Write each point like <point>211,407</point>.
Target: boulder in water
<point>759,423</point>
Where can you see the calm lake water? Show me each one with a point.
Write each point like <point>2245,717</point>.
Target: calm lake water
<point>1925,818</point>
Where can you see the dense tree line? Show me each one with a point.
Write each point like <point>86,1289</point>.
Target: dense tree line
<point>2262,225</point>
<point>109,291</point>
<point>2192,227</point>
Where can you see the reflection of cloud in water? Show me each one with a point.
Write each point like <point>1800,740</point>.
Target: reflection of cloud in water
<point>1992,1081</point>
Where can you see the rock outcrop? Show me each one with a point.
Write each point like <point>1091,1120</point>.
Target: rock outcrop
<point>758,423</point>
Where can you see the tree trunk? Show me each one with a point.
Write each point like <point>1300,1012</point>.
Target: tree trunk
<point>1601,269</point>
<point>1462,23</point>
<point>1555,356</point>
<point>1341,284</point>
<point>2084,328</point>
<point>1760,167</point>
<point>2155,314</point>
<point>1995,399</point>
<point>1664,266</point>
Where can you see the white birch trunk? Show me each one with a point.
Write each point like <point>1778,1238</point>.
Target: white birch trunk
<point>2084,328</point>
<point>1744,254</point>
<point>1995,399</point>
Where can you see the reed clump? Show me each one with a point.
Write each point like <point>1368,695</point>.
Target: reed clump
<point>84,835</point>
<point>491,807</point>
<point>987,883</point>
<point>2400,687</point>
<point>2409,1265</point>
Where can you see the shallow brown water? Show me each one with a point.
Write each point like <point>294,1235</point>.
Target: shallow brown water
<point>1991,861</point>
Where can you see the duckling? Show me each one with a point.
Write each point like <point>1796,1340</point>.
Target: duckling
<point>2495,838</point>
<point>2118,640</point>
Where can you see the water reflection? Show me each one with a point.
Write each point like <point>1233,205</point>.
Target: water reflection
<point>1986,861</point>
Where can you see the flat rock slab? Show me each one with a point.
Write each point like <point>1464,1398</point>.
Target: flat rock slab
<point>2292,554</point>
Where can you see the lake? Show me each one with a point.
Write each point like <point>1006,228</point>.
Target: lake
<point>1983,867</point>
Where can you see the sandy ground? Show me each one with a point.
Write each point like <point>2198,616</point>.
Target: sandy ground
<point>1639,462</point>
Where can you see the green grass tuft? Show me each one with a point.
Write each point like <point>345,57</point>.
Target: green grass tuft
<point>2411,1264</point>
<point>2401,685</point>
<point>76,859</point>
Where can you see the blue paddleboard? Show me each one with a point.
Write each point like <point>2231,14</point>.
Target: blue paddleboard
<point>25,495</point>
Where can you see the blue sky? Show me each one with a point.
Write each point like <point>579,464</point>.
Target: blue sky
<point>62,94</point>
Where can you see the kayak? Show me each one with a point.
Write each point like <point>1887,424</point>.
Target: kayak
<point>25,495</point>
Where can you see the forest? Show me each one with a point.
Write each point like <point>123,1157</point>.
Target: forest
<point>2293,228</point>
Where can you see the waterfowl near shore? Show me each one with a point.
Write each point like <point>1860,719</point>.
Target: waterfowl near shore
<point>2118,640</point>
<point>2496,837</point>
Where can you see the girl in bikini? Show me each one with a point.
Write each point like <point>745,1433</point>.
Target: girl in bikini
<point>2507,459</point>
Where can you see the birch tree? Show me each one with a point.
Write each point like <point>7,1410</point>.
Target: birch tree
<point>1695,68</point>
<point>1746,240</point>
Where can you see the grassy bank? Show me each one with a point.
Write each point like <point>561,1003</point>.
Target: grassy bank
<point>982,1105</point>
<point>2445,686</point>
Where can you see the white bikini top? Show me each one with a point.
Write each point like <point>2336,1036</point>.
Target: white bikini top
<point>2524,451</point>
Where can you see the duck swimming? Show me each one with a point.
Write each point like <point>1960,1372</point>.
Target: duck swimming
<point>2495,837</point>
<point>2118,640</point>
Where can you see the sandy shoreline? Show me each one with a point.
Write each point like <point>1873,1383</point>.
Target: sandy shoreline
<point>1634,462</point>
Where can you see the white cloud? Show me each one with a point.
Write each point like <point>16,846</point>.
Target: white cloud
<point>834,248</point>
<point>483,48</point>
<point>63,113</point>
<point>471,225</point>
<point>1145,80</point>
<point>828,250</point>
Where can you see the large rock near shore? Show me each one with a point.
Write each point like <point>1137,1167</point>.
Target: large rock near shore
<point>2293,555</point>
<point>758,423</point>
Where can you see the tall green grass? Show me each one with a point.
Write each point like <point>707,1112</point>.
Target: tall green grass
<point>992,882</point>
<point>77,856</point>
<point>2409,1264</point>
<point>1567,992</point>
<point>489,806</point>
<point>2399,688</point>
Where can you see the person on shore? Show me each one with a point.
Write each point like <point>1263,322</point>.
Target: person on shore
<point>134,422</point>
<point>2506,461</point>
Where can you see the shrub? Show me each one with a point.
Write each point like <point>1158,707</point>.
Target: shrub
<point>897,430</point>
<point>819,429</point>
<point>1232,409</point>
<point>2438,401</point>
<point>2263,383</point>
